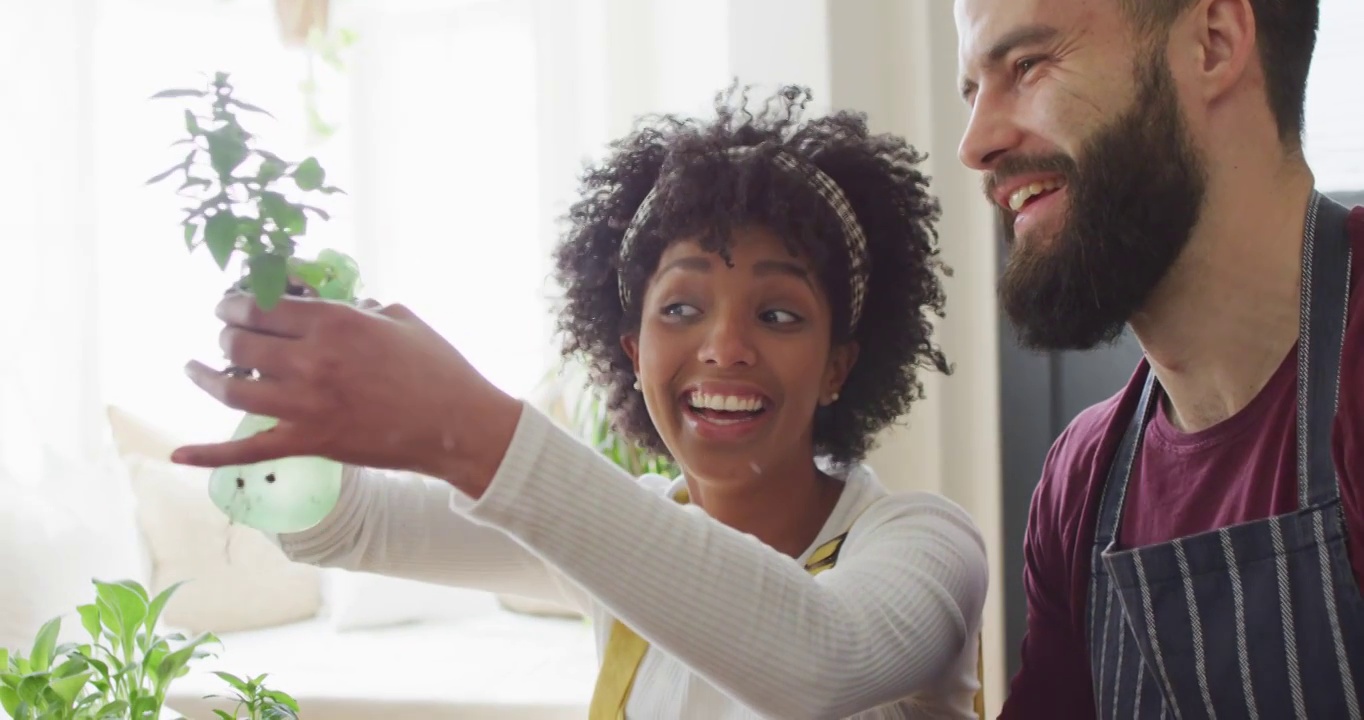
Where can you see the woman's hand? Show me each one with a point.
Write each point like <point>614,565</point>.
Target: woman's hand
<point>371,386</point>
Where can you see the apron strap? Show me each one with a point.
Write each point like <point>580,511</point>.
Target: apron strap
<point>1325,304</point>
<point>1120,469</point>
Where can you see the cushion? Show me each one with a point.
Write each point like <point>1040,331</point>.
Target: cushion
<point>235,578</point>
<point>366,601</point>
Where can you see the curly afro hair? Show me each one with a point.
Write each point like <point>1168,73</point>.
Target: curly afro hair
<point>704,189</point>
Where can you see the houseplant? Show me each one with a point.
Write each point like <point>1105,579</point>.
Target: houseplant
<point>246,201</point>
<point>126,669</point>
<point>567,397</point>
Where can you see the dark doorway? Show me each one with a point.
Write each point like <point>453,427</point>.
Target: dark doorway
<point>1039,395</point>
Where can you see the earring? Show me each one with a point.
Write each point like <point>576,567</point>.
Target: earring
<point>833,398</point>
<point>636,383</point>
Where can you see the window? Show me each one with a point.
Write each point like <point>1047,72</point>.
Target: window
<point>1335,100</point>
<point>437,146</point>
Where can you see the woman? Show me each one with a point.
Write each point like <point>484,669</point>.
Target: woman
<point>753,295</point>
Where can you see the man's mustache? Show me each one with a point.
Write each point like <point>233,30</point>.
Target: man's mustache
<point>1015,165</point>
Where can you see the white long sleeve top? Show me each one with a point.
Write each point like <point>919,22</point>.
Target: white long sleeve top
<point>736,628</point>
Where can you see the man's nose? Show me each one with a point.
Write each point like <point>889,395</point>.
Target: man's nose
<point>990,133</point>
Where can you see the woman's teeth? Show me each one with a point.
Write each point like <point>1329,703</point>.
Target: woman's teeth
<point>1021,196</point>
<point>725,403</point>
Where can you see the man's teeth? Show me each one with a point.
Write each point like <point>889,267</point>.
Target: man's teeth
<point>727,403</point>
<point>1021,196</point>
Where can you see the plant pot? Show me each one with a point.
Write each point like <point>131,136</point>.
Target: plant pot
<point>276,496</point>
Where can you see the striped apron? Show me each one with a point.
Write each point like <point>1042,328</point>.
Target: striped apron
<point>1262,620</point>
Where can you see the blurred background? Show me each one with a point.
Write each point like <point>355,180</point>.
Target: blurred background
<point>458,129</point>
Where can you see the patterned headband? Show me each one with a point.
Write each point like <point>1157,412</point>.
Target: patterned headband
<point>853,237</point>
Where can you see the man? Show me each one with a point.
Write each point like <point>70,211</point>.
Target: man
<point>1196,545</point>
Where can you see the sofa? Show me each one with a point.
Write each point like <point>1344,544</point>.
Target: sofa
<point>347,645</point>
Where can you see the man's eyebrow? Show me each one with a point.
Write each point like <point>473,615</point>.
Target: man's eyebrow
<point>1007,43</point>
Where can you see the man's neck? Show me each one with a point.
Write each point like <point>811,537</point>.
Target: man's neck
<point>784,508</point>
<point>1226,316</point>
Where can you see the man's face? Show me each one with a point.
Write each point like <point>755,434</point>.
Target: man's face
<point>1078,129</point>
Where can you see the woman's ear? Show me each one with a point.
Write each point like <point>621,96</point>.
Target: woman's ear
<point>841,362</point>
<point>630,343</point>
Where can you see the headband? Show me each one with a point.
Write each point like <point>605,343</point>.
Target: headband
<point>854,239</point>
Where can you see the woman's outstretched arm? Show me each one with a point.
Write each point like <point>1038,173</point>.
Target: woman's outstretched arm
<point>893,615</point>
<point>402,524</point>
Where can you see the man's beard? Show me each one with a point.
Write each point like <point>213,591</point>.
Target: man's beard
<point>1133,199</point>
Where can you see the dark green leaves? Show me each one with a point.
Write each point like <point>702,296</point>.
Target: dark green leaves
<point>309,174</point>
<point>178,93</point>
<point>240,201</point>
<point>220,235</point>
<point>269,279</point>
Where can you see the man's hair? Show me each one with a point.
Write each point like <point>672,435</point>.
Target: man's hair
<point>1287,35</point>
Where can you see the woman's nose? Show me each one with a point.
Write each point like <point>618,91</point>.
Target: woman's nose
<point>728,342</point>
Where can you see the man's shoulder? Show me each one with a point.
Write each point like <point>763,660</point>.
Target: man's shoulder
<point>1079,457</point>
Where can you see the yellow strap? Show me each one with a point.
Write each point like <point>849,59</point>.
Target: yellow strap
<point>625,649</point>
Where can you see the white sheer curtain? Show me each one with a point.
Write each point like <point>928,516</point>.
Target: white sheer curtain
<point>441,145</point>
<point>437,146</point>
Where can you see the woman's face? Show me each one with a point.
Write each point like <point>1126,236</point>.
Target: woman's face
<point>733,361</point>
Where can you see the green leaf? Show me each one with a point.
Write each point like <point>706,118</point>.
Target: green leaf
<point>174,662</point>
<point>68,687</point>
<point>271,168</point>
<point>165,173</point>
<point>309,174</point>
<point>191,231</point>
<point>192,123</point>
<point>178,93</point>
<point>130,604</point>
<point>9,700</point>
<point>4,660</point>
<point>31,687</point>
<point>330,190</point>
<point>226,149</point>
<point>137,588</point>
<point>282,698</point>
<point>248,107</point>
<point>41,657</point>
<point>269,279</point>
<point>158,604</point>
<point>224,715</point>
<point>287,216</point>
<point>318,211</point>
<point>220,234</point>
<point>145,707</point>
<point>236,682</point>
<point>191,182</point>
<point>343,281</point>
<point>73,665</point>
<point>312,274</point>
<point>115,709</point>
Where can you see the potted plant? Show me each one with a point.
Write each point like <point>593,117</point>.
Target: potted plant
<point>246,201</point>
<point>126,669</point>
<point>568,398</point>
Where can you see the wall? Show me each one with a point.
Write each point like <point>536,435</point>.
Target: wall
<point>896,61</point>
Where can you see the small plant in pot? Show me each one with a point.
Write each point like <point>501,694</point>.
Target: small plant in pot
<point>125,671</point>
<point>246,201</point>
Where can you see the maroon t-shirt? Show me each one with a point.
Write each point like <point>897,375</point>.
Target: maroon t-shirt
<point>1242,469</point>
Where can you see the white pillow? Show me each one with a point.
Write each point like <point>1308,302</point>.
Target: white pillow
<point>365,601</point>
<point>236,578</point>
